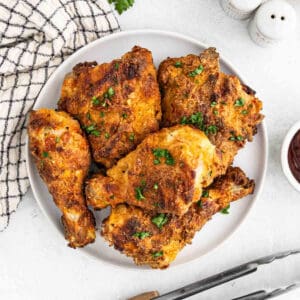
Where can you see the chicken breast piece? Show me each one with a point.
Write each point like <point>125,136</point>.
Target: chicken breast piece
<point>61,153</point>
<point>117,103</point>
<point>196,92</point>
<point>156,239</point>
<point>165,173</point>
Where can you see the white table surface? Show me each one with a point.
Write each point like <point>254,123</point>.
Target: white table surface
<point>36,264</point>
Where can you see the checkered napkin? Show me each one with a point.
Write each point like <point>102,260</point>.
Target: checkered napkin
<point>36,36</point>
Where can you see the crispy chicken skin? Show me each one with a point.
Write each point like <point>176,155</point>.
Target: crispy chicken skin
<point>117,103</point>
<point>135,233</point>
<point>165,173</point>
<point>62,156</point>
<point>227,110</point>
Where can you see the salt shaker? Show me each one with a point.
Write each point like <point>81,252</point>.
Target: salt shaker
<point>240,9</point>
<point>274,21</point>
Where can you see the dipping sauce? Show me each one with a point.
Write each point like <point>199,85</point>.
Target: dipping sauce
<point>294,156</point>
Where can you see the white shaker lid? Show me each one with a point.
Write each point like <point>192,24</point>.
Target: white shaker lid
<point>276,19</point>
<point>246,5</point>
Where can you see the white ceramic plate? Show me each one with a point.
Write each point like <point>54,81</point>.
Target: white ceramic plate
<point>162,44</point>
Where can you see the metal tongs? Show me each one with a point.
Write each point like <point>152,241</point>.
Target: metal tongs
<point>223,277</point>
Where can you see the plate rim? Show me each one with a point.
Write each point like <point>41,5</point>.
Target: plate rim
<point>262,127</point>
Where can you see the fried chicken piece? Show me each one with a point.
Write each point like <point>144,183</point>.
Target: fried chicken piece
<point>165,173</point>
<point>196,92</point>
<point>117,103</point>
<point>155,240</point>
<point>62,156</point>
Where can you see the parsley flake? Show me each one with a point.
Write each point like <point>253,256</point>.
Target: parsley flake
<point>141,235</point>
<point>197,71</point>
<point>205,194</point>
<point>178,64</point>
<point>139,193</point>
<point>160,220</point>
<point>239,102</point>
<point>45,154</point>
<point>211,129</point>
<point>95,100</point>
<point>158,152</point>
<point>131,137</point>
<point>225,211</point>
<point>91,129</point>
<point>158,254</point>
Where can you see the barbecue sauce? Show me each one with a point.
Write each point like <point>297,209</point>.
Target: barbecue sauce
<point>294,156</point>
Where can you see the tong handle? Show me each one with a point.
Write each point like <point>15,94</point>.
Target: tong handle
<point>209,282</point>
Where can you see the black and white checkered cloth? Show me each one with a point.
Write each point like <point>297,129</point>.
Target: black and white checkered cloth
<point>35,37</point>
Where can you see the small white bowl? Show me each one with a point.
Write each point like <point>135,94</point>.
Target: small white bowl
<point>284,156</point>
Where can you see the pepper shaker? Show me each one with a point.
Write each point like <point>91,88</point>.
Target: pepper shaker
<point>274,21</point>
<point>240,9</point>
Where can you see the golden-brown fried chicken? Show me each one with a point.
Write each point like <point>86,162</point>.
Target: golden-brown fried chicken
<point>165,173</point>
<point>155,239</point>
<point>117,103</point>
<point>195,92</point>
<point>62,156</point>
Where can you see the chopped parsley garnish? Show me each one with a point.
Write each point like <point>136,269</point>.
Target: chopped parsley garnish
<point>131,137</point>
<point>95,100</point>
<point>160,220</point>
<point>195,119</point>
<point>158,153</point>
<point>155,186</point>
<point>197,71</point>
<point>225,211</point>
<point>88,115</point>
<point>110,92</point>
<point>205,194</point>
<point>139,193</point>
<point>107,95</point>
<point>121,5</point>
<point>216,112</point>
<point>124,116</point>
<point>158,254</point>
<point>244,112</point>
<point>213,103</point>
<point>199,203</point>
<point>104,103</point>
<point>91,129</point>
<point>211,129</point>
<point>107,135</point>
<point>156,161</point>
<point>141,235</point>
<point>117,65</point>
<point>236,138</point>
<point>102,114</point>
<point>178,64</point>
<point>95,132</point>
<point>239,102</point>
<point>45,154</point>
